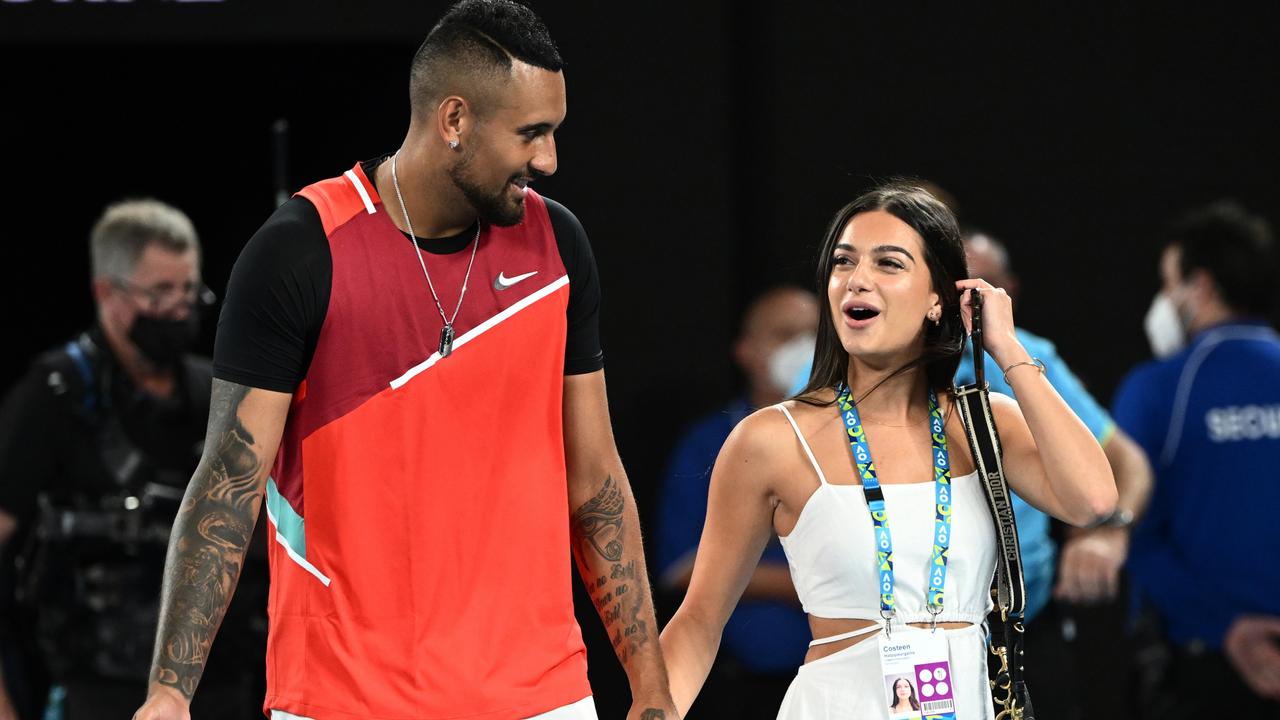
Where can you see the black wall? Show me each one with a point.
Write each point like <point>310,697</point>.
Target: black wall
<point>706,146</point>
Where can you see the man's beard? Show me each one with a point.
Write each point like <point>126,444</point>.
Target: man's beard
<point>494,208</point>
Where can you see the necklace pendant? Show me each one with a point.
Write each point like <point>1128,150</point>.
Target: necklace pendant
<point>446,341</point>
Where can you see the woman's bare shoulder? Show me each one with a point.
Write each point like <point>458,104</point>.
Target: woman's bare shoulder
<point>815,407</point>
<point>758,432</point>
<point>766,434</point>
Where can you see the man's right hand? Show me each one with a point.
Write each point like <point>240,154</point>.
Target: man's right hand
<point>163,703</point>
<point>1252,644</point>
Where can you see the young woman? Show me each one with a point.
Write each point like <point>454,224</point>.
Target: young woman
<point>903,700</point>
<point>890,335</point>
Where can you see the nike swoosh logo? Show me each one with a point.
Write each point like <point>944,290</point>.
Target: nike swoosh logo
<point>502,282</point>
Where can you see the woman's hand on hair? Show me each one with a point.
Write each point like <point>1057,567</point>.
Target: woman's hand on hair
<point>998,332</point>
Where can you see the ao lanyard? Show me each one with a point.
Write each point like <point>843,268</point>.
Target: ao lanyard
<point>875,501</point>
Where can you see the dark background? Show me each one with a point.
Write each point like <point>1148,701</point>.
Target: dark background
<point>707,144</point>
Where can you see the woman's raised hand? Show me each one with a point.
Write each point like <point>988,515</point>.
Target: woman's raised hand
<point>998,332</point>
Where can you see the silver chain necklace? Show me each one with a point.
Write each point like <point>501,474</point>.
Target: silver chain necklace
<point>446,332</point>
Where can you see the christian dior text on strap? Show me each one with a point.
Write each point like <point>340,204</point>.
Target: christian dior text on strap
<point>974,403</point>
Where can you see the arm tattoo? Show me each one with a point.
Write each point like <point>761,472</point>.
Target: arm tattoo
<point>206,548</point>
<point>599,522</point>
<point>653,714</point>
<point>617,589</point>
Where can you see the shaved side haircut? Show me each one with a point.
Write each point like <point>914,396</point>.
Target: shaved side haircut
<point>471,51</point>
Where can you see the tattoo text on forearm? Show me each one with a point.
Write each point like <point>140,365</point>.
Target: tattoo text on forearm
<point>616,586</point>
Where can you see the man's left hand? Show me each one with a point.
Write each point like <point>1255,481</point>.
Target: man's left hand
<point>1090,568</point>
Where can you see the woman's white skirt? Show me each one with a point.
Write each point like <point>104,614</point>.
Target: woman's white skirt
<point>849,683</point>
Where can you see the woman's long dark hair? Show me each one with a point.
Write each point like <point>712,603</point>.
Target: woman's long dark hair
<point>893,694</point>
<point>943,255</point>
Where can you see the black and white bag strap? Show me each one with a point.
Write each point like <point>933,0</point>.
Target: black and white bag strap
<point>1008,588</point>
<point>974,404</point>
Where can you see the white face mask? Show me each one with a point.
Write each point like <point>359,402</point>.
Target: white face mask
<point>789,363</point>
<point>1164,327</point>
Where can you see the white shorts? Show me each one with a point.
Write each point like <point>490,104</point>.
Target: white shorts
<point>584,709</point>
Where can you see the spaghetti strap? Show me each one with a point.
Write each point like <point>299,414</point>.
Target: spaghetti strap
<point>814,461</point>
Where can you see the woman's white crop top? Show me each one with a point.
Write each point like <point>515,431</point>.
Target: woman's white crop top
<point>832,556</point>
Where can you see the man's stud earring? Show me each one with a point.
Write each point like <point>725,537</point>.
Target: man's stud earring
<point>453,144</point>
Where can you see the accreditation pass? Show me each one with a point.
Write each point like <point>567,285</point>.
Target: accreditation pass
<point>917,675</point>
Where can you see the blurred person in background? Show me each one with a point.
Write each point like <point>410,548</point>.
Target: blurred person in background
<point>1207,414</point>
<point>1088,569</point>
<point>768,634</point>
<point>97,442</point>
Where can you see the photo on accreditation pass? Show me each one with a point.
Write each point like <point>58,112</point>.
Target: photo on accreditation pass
<point>924,693</point>
<point>904,702</point>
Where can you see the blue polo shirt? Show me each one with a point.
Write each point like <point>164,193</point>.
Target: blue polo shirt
<point>1039,553</point>
<point>765,637</point>
<point>1209,420</point>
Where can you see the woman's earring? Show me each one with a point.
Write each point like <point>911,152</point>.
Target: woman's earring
<point>935,316</point>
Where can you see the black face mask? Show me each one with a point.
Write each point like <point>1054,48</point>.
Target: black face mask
<point>164,341</point>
